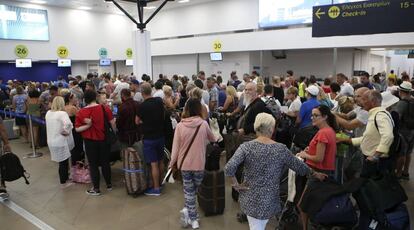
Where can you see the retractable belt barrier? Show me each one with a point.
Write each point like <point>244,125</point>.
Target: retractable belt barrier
<point>31,119</point>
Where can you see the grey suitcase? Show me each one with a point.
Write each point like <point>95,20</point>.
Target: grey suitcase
<point>12,131</point>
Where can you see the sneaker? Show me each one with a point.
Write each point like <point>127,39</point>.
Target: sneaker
<point>153,192</point>
<point>109,188</point>
<point>184,219</point>
<point>195,224</point>
<point>93,192</point>
<point>65,185</point>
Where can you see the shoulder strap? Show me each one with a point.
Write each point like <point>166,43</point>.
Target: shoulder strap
<point>189,146</point>
<point>375,119</point>
<point>104,113</point>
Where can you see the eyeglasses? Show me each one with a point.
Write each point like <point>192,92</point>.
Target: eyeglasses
<point>315,115</point>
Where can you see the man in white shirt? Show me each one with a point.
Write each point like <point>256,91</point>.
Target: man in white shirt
<point>346,88</point>
<point>116,95</point>
<point>158,90</point>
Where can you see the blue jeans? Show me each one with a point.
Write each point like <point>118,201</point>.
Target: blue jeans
<point>191,182</point>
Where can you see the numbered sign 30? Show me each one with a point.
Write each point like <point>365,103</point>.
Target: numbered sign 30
<point>21,51</point>
<point>62,52</point>
<point>217,46</point>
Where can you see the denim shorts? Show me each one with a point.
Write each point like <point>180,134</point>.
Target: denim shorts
<point>153,150</point>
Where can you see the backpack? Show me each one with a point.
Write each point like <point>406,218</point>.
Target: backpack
<point>395,147</point>
<point>408,115</point>
<point>11,168</point>
<point>273,106</point>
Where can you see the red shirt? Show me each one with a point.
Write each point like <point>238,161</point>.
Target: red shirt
<point>327,136</point>
<point>326,88</point>
<point>97,131</point>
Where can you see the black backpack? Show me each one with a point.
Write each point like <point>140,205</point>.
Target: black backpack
<point>11,168</point>
<point>396,145</point>
<point>408,116</point>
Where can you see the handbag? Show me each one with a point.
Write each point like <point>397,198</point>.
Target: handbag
<point>337,210</point>
<point>176,170</point>
<point>79,173</point>
<point>110,135</point>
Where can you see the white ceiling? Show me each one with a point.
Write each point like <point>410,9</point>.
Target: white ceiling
<point>109,7</point>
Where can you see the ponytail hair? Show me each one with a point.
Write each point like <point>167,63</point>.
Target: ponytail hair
<point>330,118</point>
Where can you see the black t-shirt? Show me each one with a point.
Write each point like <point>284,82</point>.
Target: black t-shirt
<point>152,113</point>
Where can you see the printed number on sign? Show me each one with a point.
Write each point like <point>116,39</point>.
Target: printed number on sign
<point>21,51</point>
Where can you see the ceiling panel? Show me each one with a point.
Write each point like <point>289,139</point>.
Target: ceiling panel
<point>108,7</point>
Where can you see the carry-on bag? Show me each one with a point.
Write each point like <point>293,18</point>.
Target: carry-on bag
<point>134,172</point>
<point>337,211</point>
<point>9,124</point>
<point>211,193</point>
<point>79,173</point>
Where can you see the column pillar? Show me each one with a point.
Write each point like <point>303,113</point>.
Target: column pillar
<point>142,53</point>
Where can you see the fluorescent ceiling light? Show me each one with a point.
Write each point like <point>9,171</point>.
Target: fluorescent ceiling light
<point>183,1</point>
<point>38,2</point>
<point>84,8</point>
<point>150,7</point>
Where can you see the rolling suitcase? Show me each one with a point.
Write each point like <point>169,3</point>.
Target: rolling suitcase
<point>134,172</point>
<point>213,153</point>
<point>396,219</point>
<point>211,193</point>
<point>9,124</point>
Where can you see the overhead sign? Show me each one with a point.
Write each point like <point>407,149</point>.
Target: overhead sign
<point>367,17</point>
<point>401,52</point>
<point>62,52</point>
<point>411,54</point>
<point>103,53</point>
<point>21,51</point>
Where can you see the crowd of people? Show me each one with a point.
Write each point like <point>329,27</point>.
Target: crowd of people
<point>167,112</point>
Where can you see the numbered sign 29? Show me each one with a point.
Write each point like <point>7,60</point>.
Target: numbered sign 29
<point>62,52</point>
<point>217,46</point>
<point>21,51</point>
<point>129,53</point>
<point>103,53</point>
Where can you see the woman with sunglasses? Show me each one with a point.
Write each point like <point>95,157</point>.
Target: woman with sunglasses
<point>320,154</point>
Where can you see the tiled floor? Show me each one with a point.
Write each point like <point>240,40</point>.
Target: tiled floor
<point>73,209</point>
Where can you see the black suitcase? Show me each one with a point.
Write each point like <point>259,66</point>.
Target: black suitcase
<point>213,153</point>
<point>211,193</point>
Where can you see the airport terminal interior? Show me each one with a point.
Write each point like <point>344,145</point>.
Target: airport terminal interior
<point>54,43</point>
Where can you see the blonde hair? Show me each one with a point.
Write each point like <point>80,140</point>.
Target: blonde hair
<point>63,92</point>
<point>321,94</point>
<point>346,104</point>
<point>276,80</point>
<point>167,90</point>
<point>293,90</point>
<point>58,104</point>
<point>264,124</point>
<point>230,90</point>
<point>196,93</point>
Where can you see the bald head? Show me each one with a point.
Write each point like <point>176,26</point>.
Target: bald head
<point>358,96</point>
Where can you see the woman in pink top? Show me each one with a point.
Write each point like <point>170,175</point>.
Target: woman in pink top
<point>192,167</point>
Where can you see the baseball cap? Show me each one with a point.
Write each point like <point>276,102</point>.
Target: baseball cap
<point>313,90</point>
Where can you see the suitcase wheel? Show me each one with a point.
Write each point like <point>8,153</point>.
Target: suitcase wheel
<point>241,217</point>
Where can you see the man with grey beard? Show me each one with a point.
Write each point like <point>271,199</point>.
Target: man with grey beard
<point>253,106</point>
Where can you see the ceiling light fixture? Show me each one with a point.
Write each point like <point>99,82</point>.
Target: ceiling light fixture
<point>38,2</point>
<point>183,1</point>
<point>149,7</point>
<point>84,8</point>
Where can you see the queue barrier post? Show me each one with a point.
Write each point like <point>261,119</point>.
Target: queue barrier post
<point>33,154</point>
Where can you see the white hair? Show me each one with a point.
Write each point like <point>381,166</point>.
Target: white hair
<point>264,124</point>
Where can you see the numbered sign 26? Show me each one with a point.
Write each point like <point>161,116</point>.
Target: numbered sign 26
<point>21,51</point>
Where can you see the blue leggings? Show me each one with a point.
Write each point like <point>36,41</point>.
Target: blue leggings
<point>191,182</point>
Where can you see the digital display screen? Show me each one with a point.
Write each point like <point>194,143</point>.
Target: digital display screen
<point>105,62</point>
<point>129,62</point>
<point>23,23</point>
<point>216,57</point>
<point>64,63</point>
<point>274,13</point>
<point>23,63</point>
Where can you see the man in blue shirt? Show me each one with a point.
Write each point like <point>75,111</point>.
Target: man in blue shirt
<point>305,112</point>
<point>365,80</point>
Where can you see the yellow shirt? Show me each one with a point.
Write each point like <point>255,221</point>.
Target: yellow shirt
<point>393,76</point>
<point>301,90</point>
<point>376,140</point>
